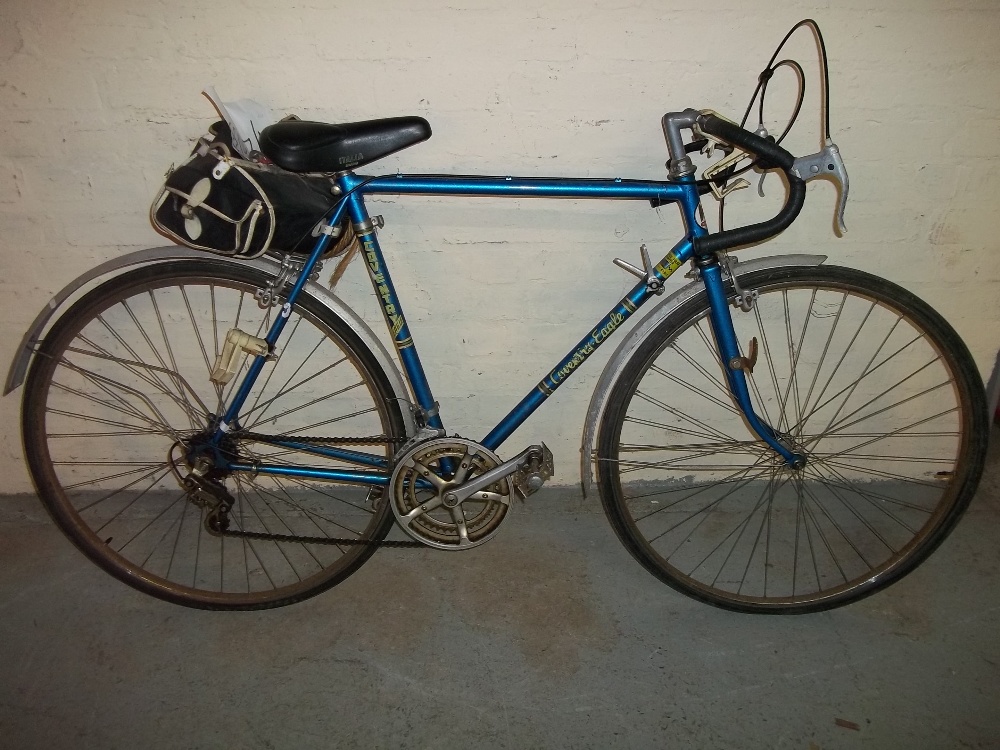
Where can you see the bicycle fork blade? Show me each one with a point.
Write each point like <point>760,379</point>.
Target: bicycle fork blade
<point>737,365</point>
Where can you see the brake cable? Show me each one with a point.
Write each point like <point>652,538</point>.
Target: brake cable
<point>761,90</point>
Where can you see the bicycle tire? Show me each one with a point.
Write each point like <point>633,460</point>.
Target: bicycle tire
<point>123,374</point>
<point>710,510</point>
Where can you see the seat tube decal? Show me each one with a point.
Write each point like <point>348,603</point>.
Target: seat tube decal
<point>378,272</point>
<point>387,295</point>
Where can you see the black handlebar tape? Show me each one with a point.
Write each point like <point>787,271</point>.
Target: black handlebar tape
<point>772,155</point>
<point>765,230</point>
<point>769,151</point>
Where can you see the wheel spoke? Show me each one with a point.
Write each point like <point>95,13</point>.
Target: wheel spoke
<point>153,377</point>
<point>869,372</point>
<point>742,481</point>
<point>693,389</point>
<point>737,477</point>
<point>119,475</point>
<point>139,369</point>
<point>267,381</point>
<point>284,391</point>
<point>334,420</point>
<point>878,499</point>
<point>904,431</point>
<point>822,359</point>
<point>311,514</point>
<point>673,428</point>
<point>100,529</point>
<point>772,371</point>
<point>840,425</point>
<point>843,357</point>
<point>133,428</point>
<point>286,499</point>
<point>709,431</point>
<point>833,489</point>
<point>741,527</point>
<point>822,508</point>
<point>315,488</point>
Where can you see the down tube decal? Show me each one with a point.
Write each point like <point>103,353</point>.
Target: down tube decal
<point>603,330</point>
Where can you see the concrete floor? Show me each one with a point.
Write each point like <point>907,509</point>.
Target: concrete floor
<point>549,636</point>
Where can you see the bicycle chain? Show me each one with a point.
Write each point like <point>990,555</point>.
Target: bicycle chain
<point>335,541</point>
<point>318,539</point>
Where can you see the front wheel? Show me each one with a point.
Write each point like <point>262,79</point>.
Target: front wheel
<point>119,391</point>
<point>866,380</point>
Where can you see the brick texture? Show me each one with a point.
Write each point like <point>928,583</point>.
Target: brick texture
<point>98,98</point>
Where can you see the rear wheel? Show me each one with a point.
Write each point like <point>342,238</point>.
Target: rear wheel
<point>120,389</point>
<point>867,381</point>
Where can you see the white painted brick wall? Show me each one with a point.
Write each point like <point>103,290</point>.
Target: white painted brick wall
<point>98,98</point>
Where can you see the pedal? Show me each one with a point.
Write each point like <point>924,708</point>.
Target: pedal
<point>534,472</point>
<point>226,364</point>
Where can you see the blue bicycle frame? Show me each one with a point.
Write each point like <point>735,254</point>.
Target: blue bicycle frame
<point>353,189</point>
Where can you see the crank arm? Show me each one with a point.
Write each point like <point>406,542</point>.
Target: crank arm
<point>492,476</point>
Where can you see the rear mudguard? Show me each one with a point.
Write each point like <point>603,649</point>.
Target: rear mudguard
<point>625,350</point>
<point>157,255</point>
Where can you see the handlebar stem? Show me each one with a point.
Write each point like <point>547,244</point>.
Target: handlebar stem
<point>680,164</point>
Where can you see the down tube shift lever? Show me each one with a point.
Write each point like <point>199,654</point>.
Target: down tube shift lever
<point>826,163</point>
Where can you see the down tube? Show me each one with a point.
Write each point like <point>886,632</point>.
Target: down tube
<point>638,296</point>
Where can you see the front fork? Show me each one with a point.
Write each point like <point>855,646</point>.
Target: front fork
<point>732,360</point>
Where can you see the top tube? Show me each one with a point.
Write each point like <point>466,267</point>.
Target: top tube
<point>517,187</point>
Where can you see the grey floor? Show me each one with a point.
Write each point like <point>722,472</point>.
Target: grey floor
<point>549,636</point>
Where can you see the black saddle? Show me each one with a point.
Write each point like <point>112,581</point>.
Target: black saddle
<point>303,146</point>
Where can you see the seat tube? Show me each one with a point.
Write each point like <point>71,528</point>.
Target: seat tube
<point>392,310</point>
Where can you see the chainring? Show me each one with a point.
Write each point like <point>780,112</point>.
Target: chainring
<point>423,478</point>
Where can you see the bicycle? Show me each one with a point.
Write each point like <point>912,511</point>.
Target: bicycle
<point>778,436</point>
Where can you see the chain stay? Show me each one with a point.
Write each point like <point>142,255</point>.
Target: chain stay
<point>370,440</point>
<point>335,541</point>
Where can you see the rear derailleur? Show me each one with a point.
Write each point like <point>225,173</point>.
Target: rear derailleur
<point>204,491</point>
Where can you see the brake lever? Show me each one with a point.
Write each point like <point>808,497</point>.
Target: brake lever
<point>826,163</point>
